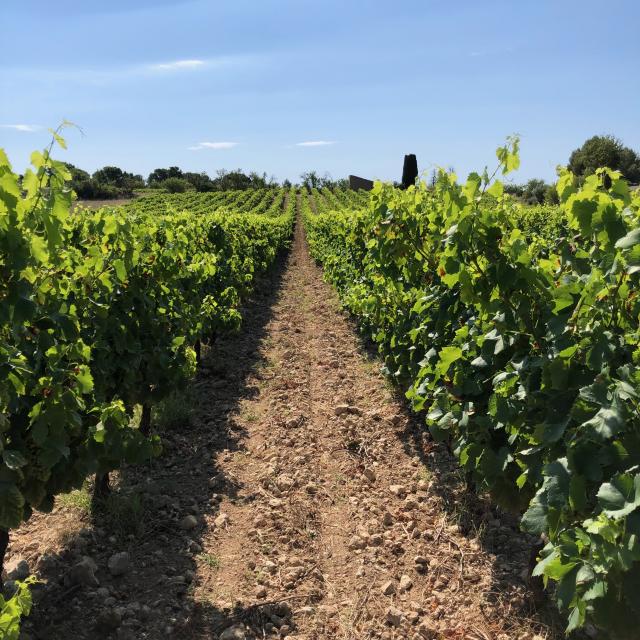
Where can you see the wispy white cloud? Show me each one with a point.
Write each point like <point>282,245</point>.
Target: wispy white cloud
<point>27,128</point>
<point>213,145</point>
<point>127,73</point>
<point>177,65</point>
<point>315,143</point>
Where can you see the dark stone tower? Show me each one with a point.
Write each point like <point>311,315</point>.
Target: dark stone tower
<point>409,171</point>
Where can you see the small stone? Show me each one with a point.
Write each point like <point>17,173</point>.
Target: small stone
<point>328,610</point>
<point>356,543</point>
<point>221,521</point>
<point>261,592</point>
<point>398,489</point>
<point>305,611</point>
<point>369,474</point>
<point>270,567</point>
<point>235,632</point>
<point>83,573</point>
<point>405,583</point>
<point>421,560</point>
<point>376,540</point>
<point>188,522</point>
<point>285,483</point>
<point>427,632</point>
<point>388,588</point>
<point>387,519</point>
<point>109,619</point>
<point>17,569</point>
<point>341,409</point>
<point>119,563</point>
<point>410,504</point>
<point>393,616</point>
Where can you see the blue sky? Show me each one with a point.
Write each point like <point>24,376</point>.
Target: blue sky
<point>212,84</point>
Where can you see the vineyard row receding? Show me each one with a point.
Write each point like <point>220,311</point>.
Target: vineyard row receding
<point>513,331</point>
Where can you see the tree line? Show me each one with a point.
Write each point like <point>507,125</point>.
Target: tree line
<point>596,152</point>
<point>112,182</point>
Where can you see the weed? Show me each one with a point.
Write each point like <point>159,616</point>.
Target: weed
<point>176,410</point>
<point>212,561</point>
<point>80,500</point>
<point>124,514</point>
<point>425,474</point>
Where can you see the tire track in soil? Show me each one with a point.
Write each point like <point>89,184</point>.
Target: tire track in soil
<point>339,530</point>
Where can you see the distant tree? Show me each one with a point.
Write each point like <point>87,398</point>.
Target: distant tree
<point>313,180</point>
<point>160,175</point>
<point>605,151</point>
<point>110,175</point>
<point>116,177</point>
<point>261,181</point>
<point>94,190</point>
<point>516,190</point>
<point>231,180</point>
<point>310,180</point>
<point>551,195</point>
<point>286,184</point>
<point>175,185</point>
<point>535,191</point>
<point>77,174</point>
<point>200,181</point>
<point>106,183</point>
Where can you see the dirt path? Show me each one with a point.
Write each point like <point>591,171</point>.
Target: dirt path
<point>297,499</point>
<point>339,516</point>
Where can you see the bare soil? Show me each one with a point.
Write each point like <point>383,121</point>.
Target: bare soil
<point>320,508</point>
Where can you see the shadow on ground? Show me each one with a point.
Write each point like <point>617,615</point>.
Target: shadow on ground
<point>476,517</point>
<point>159,513</point>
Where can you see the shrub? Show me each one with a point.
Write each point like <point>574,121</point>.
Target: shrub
<point>175,185</point>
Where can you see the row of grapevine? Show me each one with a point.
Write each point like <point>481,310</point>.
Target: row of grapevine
<point>247,200</point>
<point>517,332</point>
<point>100,312</point>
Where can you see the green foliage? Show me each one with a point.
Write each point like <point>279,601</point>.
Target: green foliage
<point>516,331</point>
<point>313,180</point>
<point>536,191</point>
<point>605,151</point>
<point>105,184</point>
<point>100,311</point>
<point>14,608</point>
<point>157,176</point>
<point>201,182</point>
<point>116,177</point>
<point>174,185</point>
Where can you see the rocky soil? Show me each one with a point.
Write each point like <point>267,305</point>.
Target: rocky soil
<point>296,498</point>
